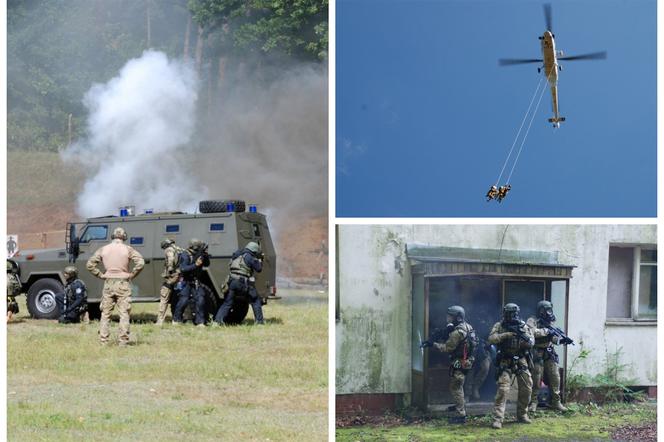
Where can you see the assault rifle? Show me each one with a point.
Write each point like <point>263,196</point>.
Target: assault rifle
<point>438,334</point>
<point>517,331</point>
<point>562,338</point>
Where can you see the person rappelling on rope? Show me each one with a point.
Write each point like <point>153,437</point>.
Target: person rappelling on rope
<point>492,193</point>
<point>502,192</point>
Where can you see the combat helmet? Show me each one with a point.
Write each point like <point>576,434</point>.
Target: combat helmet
<point>545,311</point>
<point>167,242</point>
<point>119,233</point>
<point>70,272</point>
<point>457,313</point>
<point>195,244</point>
<point>511,313</point>
<point>253,247</point>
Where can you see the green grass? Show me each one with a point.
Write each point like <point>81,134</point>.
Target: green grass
<point>581,423</point>
<point>232,383</point>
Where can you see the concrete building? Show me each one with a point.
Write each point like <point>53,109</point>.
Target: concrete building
<point>394,283</point>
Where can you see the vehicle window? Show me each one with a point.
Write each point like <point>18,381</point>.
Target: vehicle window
<point>94,233</point>
<point>217,227</point>
<point>173,228</point>
<point>136,240</point>
<point>257,230</point>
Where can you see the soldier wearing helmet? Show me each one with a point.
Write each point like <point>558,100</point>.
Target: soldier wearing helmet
<point>460,344</point>
<point>116,258</point>
<point>514,339</point>
<point>192,262</point>
<point>244,263</point>
<point>73,302</point>
<point>13,290</point>
<point>545,358</point>
<point>171,275</point>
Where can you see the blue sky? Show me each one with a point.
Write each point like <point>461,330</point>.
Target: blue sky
<point>425,116</point>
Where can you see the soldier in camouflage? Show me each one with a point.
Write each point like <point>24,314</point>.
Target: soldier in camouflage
<point>171,275</point>
<point>545,358</point>
<point>477,376</point>
<point>116,258</point>
<point>514,339</point>
<point>460,344</point>
<point>13,290</point>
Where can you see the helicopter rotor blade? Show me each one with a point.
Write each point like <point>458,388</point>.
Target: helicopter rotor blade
<point>511,61</point>
<point>592,56</point>
<point>548,17</point>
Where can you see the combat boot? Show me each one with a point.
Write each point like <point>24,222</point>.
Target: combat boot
<point>558,406</point>
<point>497,424</point>
<point>532,407</point>
<point>524,419</point>
<point>457,419</point>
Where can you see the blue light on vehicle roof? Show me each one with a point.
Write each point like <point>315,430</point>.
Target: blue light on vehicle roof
<point>252,208</point>
<point>124,211</point>
<point>149,211</point>
<point>230,207</point>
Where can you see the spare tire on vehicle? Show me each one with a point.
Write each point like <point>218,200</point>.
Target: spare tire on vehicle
<point>216,206</point>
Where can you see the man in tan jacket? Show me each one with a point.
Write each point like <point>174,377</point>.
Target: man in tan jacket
<point>117,282</point>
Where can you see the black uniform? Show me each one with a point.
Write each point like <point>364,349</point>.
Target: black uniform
<point>73,302</point>
<point>191,288</point>
<point>241,283</point>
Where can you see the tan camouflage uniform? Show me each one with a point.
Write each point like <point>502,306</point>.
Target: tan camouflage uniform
<point>171,274</point>
<point>460,366</point>
<point>13,290</point>
<point>544,361</point>
<point>512,364</point>
<point>115,257</point>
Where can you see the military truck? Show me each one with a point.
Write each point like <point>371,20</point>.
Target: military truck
<point>224,225</point>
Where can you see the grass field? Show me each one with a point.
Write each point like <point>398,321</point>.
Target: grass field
<point>581,423</point>
<point>176,383</point>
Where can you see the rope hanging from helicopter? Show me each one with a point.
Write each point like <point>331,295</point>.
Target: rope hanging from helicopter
<point>500,193</point>
<point>523,141</point>
<point>509,154</point>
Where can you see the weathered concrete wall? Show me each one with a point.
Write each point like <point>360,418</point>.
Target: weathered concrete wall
<point>373,333</point>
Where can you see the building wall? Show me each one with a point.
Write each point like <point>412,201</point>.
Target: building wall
<point>374,325</point>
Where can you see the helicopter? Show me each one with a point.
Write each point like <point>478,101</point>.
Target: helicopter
<point>550,65</point>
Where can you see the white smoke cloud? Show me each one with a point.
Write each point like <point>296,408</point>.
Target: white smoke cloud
<point>138,126</point>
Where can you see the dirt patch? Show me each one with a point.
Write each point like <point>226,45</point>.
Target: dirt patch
<point>642,433</point>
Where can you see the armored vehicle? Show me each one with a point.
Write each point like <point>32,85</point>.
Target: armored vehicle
<point>224,225</point>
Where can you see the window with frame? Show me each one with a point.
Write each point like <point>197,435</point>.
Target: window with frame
<point>94,233</point>
<point>632,283</point>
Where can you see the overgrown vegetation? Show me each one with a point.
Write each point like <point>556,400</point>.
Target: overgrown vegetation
<point>610,385</point>
<point>582,422</point>
<point>176,383</point>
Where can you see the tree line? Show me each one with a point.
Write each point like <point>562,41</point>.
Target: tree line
<point>56,50</point>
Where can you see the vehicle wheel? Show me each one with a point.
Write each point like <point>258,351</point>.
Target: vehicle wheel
<point>41,298</point>
<point>238,312</point>
<point>94,311</point>
<point>215,206</point>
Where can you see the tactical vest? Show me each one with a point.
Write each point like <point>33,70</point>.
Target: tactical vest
<point>176,264</point>
<point>511,347</point>
<point>240,268</point>
<point>466,348</point>
<point>543,341</point>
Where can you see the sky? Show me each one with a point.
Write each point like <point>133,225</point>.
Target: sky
<point>425,116</point>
